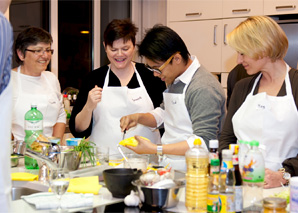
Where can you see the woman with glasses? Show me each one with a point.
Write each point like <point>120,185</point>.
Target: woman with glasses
<point>32,84</point>
<point>120,88</point>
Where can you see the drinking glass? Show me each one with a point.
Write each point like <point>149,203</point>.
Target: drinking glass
<point>102,154</point>
<point>59,182</point>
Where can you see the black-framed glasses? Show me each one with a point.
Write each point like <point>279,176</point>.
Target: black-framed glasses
<point>41,51</point>
<point>158,70</point>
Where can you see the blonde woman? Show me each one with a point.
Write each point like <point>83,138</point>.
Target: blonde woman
<point>264,107</point>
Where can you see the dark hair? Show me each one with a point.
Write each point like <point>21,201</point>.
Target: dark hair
<point>160,43</point>
<point>120,28</point>
<point>30,36</point>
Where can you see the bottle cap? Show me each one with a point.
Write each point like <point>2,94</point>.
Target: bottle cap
<point>33,105</point>
<point>227,153</point>
<point>214,162</point>
<point>213,144</point>
<point>197,141</point>
<point>254,143</point>
<point>234,148</point>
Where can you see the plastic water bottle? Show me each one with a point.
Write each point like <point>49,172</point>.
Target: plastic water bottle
<point>213,187</point>
<point>227,183</point>
<point>238,178</point>
<point>33,126</point>
<point>253,178</point>
<point>197,160</point>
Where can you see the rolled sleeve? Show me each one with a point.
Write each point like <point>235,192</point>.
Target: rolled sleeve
<point>158,114</point>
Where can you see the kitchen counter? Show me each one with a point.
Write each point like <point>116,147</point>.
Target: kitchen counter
<point>100,201</point>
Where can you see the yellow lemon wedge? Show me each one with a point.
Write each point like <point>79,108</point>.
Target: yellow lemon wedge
<point>130,141</point>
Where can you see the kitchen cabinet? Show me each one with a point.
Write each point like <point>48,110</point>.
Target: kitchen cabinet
<point>207,40</point>
<point>240,8</point>
<point>187,10</point>
<point>278,7</point>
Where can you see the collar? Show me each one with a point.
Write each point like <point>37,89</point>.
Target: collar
<point>186,76</point>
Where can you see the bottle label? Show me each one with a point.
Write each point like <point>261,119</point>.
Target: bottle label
<point>226,202</point>
<point>253,168</point>
<point>33,125</point>
<point>226,165</point>
<point>238,199</point>
<point>212,203</point>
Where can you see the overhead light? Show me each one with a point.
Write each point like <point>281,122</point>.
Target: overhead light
<point>84,32</point>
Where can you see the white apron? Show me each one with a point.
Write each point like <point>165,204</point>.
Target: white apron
<point>178,126</point>
<point>115,103</point>
<point>5,132</point>
<point>47,102</point>
<point>272,121</point>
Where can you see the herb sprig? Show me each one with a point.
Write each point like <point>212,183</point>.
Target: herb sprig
<point>87,148</point>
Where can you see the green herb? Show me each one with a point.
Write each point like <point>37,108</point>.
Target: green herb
<point>87,149</point>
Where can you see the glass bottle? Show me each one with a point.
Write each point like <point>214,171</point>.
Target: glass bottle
<point>33,126</point>
<point>253,178</point>
<point>197,160</point>
<point>227,183</point>
<point>213,187</point>
<point>238,178</point>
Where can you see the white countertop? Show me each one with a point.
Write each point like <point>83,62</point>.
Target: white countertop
<point>103,198</point>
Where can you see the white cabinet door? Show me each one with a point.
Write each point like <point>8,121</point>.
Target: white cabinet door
<point>240,8</point>
<point>274,7</point>
<point>203,39</point>
<point>229,55</point>
<point>185,10</point>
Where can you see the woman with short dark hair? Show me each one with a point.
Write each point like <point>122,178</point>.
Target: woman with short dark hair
<point>115,90</point>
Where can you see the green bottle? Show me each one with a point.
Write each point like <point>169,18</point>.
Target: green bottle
<point>33,127</point>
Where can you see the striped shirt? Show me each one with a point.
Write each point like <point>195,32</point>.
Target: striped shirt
<point>6,42</point>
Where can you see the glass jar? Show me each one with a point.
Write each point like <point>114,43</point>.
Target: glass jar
<point>274,205</point>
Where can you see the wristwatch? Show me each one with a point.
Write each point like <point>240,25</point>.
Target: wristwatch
<point>159,149</point>
<point>285,175</point>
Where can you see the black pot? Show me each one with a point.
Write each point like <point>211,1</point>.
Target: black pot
<point>118,180</point>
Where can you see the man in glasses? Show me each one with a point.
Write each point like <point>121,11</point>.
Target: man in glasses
<point>194,101</point>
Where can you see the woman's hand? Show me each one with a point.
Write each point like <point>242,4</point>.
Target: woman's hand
<point>144,146</point>
<point>273,179</point>
<point>94,97</point>
<point>129,121</point>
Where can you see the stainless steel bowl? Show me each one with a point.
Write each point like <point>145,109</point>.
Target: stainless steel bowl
<point>68,158</point>
<point>160,197</point>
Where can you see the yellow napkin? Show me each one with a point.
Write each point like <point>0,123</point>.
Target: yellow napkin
<point>84,185</point>
<point>23,176</point>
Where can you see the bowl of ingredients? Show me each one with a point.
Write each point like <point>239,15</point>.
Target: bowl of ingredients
<point>157,188</point>
<point>119,180</point>
<point>166,195</point>
<point>136,161</point>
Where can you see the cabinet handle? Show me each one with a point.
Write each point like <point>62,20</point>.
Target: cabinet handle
<point>225,31</point>
<point>214,35</point>
<point>241,11</point>
<point>285,7</point>
<point>193,14</point>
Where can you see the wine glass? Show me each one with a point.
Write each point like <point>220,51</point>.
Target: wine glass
<point>59,181</point>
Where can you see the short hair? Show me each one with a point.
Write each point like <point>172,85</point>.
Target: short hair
<point>160,43</point>
<point>120,28</point>
<point>30,36</point>
<point>258,37</point>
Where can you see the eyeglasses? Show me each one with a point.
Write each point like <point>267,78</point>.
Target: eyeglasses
<point>41,51</point>
<point>158,70</point>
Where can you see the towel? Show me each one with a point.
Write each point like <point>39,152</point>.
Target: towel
<point>48,200</point>
<point>23,176</point>
<point>84,185</point>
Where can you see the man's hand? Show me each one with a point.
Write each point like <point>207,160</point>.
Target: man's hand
<point>129,121</point>
<point>144,146</point>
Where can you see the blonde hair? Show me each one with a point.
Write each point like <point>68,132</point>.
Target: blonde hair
<point>258,37</point>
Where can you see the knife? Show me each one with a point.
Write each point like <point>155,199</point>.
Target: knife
<point>124,132</point>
